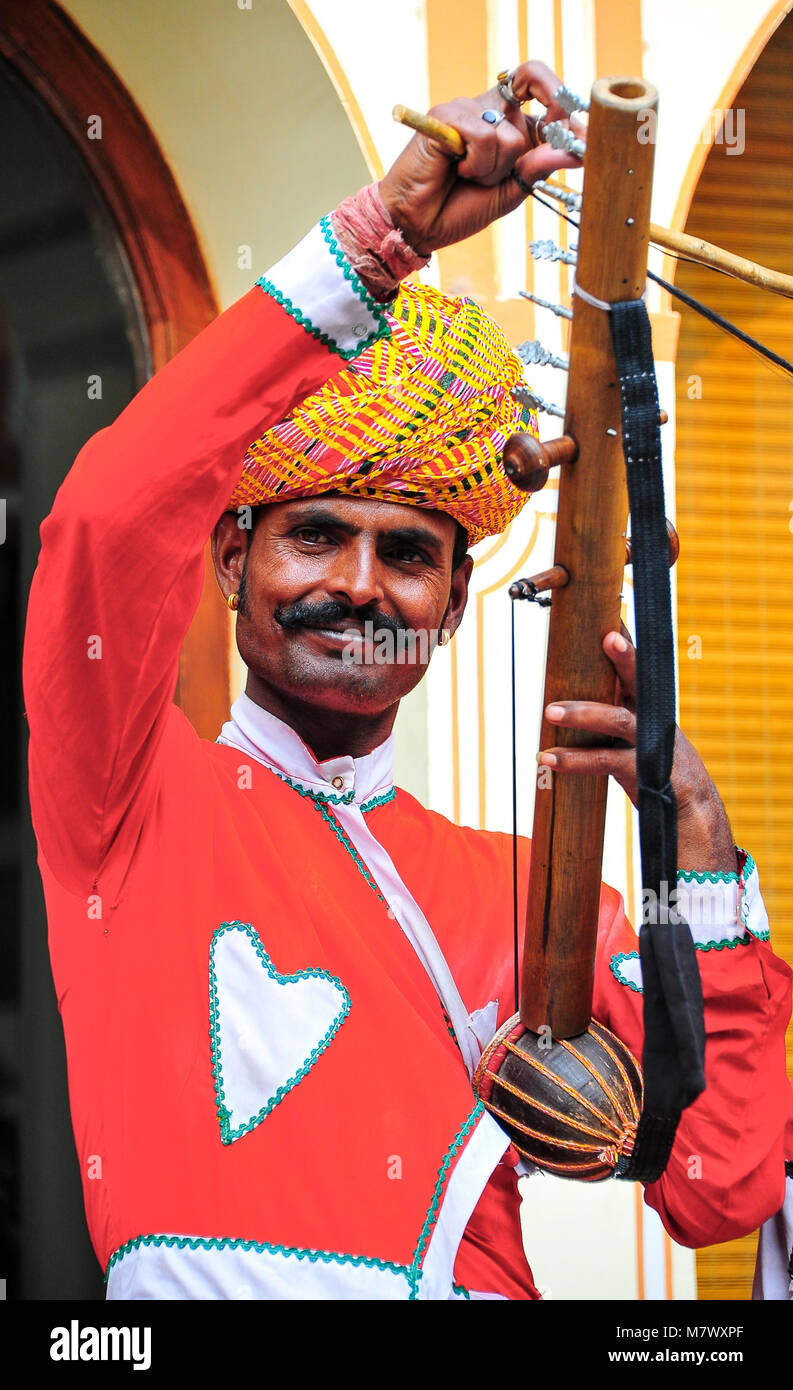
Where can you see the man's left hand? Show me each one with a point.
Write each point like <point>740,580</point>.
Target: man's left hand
<point>705,842</point>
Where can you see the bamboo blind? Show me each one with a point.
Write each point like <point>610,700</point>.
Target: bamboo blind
<point>734,469</point>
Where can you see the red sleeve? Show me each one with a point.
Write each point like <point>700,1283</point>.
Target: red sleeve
<point>726,1173</point>
<point>120,571</point>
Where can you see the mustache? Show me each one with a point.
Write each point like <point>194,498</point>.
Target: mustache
<point>321,615</point>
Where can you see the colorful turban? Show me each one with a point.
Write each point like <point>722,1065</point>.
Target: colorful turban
<point>419,417</point>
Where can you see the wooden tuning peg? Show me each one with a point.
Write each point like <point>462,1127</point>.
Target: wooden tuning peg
<point>555,578</point>
<point>674,545</point>
<point>527,462</point>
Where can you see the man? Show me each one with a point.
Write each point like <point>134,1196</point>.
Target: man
<point>276,972</point>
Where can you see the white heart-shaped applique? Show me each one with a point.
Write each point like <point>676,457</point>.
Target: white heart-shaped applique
<point>267,1030</point>
<point>626,967</point>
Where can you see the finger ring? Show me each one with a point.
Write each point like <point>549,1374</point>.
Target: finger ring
<point>541,129</point>
<point>507,91</point>
<point>493,117</point>
<point>531,126</point>
<point>522,184</point>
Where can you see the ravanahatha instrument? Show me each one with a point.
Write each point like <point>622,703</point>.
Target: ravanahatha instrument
<point>567,1091</point>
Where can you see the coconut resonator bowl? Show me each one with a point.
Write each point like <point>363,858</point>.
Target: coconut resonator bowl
<point>572,1106</point>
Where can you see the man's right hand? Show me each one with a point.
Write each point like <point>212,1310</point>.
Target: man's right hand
<point>436,199</point>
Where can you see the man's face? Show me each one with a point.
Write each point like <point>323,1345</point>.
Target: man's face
<point>343,598</point>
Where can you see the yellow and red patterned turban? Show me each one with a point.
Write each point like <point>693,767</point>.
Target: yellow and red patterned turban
<point>420,417</point>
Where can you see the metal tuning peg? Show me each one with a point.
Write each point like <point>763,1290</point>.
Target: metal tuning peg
<point>527,462</point>
<point>569,102</point>
<point>532,401</point>
<point>559,310</point>
<point>674,544</point>
<point>533,354</point>
<point>530,589</point>
<point>567,196</point>
<point>547,250</point>
<point>560,138</point>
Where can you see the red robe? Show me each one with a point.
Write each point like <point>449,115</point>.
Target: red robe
<point>148,846</point>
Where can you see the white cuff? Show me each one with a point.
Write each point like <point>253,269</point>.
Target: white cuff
<point>317,286</point>
<point>723,911</point>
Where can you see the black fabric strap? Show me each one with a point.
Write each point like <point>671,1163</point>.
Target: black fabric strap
<point>674,1031</point>
<point>652,1147</point>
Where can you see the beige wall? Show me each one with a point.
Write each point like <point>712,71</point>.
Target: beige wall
<point>245,115</point>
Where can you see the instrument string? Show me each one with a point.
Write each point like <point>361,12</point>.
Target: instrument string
<point>711,315</point>
<point>724,324</point>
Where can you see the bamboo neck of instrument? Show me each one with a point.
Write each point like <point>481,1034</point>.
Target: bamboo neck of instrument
<point>569,814</point>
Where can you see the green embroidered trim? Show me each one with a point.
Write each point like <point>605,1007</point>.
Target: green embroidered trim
<point>348,354</point>
<point>432,1211</point>
<point>450,1029</point>
<point>328,797</point>
<point>321,802</point>
<point>347,844</point>
<point>727,943</point>
<point>377,310</point>
<point>227,1134</point>
<point>348,799</point>
<point>378,800</point>
<point>261,1247</point>
<point>460,1288</point>
<point>692,876</point>
<point>326,227</point>
<point>749,868</point>
<point>616,961</point>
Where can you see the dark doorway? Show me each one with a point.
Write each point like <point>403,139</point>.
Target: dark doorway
<point>73,351</point>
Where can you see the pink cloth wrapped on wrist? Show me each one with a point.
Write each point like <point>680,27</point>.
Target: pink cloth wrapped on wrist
<point>374,246</point>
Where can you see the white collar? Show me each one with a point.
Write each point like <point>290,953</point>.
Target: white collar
<point>347,781</point>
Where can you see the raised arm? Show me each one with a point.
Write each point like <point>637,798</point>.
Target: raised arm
<point>120,570</point>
